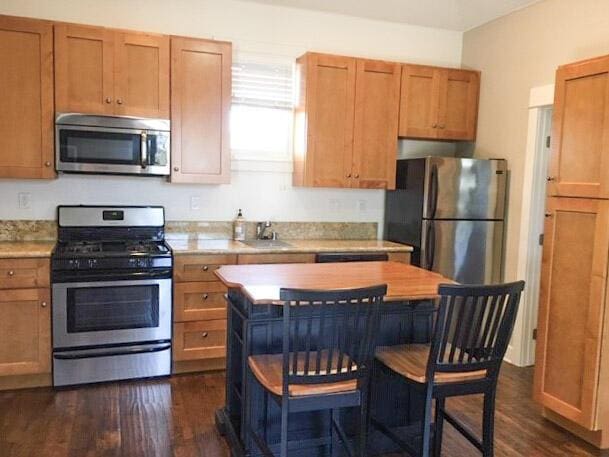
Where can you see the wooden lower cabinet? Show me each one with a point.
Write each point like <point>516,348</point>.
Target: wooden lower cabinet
<point>25,329</point>
<point>572,362</point>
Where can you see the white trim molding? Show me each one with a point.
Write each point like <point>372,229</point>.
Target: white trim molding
<point>521,351</point>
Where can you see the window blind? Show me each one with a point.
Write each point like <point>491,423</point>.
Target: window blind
<point>263,85</point>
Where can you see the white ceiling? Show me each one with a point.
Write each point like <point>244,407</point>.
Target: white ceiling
<point>457,15</point>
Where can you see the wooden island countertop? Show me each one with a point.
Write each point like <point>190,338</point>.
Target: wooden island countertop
<point>261,283</point>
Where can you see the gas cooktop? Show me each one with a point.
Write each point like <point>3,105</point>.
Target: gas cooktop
<point>111,248</point>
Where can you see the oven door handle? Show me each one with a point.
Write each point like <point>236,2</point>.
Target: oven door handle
<point>107,352</point>
<point>144,150</point>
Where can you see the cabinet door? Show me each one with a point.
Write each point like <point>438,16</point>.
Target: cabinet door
<point>142,74</point>
<point>199,340</point>
<point>458,109</point>
<point>579,164</point>
<point>26,113</point>
<point>375,137</point>
<point>200,105</point>
<point>25,326</point>
<point>571,307</point>
<point>419,102</point>
<point>84,66</point>
<point>330,103</point>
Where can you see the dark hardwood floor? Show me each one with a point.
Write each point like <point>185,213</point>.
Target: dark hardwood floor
<point>174,417</point>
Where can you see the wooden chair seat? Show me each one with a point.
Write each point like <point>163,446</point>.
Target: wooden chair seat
<point>268,369</point>
<point>410,361</point>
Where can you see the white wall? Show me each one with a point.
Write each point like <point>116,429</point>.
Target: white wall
<point>252,28</point>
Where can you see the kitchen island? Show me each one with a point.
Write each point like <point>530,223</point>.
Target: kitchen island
<point>254,327</point>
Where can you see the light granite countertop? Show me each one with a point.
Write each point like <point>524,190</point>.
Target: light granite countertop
<point>236,247</point>
<point>23,249</point>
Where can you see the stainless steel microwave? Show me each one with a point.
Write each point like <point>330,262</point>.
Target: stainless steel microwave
<point>112,145</point>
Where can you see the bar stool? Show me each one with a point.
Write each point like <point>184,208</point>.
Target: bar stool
<point>472,331</point>
<point>328,349</point>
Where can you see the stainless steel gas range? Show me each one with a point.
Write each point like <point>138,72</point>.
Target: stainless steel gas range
<point>112,299</point>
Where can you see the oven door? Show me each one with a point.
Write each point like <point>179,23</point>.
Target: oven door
<point>114,312</point>
<point>89,149</point>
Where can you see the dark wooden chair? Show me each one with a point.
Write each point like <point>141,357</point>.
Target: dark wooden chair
<point>472,331</point>
<point>328,349</point>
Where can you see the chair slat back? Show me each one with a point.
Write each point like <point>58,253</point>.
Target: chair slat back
<point>329,336</point>
<point>473,327</point>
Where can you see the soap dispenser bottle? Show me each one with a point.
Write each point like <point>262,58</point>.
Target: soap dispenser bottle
<point>239,227</point>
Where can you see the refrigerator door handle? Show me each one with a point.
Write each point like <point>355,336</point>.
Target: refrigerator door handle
<point>433,191</point>
<point>430,245</point>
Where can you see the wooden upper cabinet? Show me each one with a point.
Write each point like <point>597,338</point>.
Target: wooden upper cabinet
<point>324,121</point>
<point>25,326</point>
<point>84,69</point>
<point>200,106</point>
<point>26,115</point>
<point>142,74</point>
<point>458,108</point>
<point>572,308</point>
<point>419,102</point>
<point>345,131</point>
<point>579,164</point>
<point>377,97</point>
<point>439,103</point>
<point>105,71</point>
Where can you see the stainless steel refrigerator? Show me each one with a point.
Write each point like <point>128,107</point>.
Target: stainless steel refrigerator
<point>452,211</point>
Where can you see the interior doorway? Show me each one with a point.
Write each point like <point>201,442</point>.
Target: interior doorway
<point>522,346</point>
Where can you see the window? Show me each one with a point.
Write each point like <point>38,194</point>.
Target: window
<point>262,110</point>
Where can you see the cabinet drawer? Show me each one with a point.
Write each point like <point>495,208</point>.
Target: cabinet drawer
<point>276,258</point>
<point>199,340</point>
<point>24,273</point>
<point>200,267</point>
<point>196,301</point>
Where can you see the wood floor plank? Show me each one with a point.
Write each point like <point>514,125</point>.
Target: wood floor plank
<point>175,418</point>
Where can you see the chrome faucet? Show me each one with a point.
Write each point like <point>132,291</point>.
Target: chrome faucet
<point>261,229</point>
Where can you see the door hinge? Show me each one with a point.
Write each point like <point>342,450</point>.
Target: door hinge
<point>541,239</point>
<point>548,141</point>
<point>535,334</point>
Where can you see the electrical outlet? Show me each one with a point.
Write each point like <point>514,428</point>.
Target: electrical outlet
<point>25,200</point>
<point>195,203</point>
<point>361,206</point>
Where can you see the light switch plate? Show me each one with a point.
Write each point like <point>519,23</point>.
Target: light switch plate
<point>24,200</point>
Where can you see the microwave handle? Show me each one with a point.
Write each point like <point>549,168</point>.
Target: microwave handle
<point>144,150</point>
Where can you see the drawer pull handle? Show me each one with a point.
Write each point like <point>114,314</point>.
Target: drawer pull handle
<point>204,334</point>
<point>205,296</point>
<point>11,273</point>
<point>205,268</point>
<point>43,304</point>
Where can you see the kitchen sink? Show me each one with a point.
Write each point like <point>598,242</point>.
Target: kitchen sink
<point>267,244</point>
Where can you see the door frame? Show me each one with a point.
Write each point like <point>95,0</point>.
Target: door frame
<point>521,351</point>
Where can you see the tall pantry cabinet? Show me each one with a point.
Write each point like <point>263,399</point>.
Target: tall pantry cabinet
<point>572,361</point>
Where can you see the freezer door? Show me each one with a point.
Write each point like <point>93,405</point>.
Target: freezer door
<point>470,252</point>
<point>464,188</point>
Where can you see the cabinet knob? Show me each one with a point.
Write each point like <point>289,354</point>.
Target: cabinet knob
<point>348,175</point>
<point>119,101</point>
<point>434,126</point>
<point>204,334</point>
<point>205,296</point>
<point>205,268</point>
<point>442,126</point>
<point>108,100</point>
<point>43,304</point>
<point>548,215</point>
<point>356,175</point>
<point>176,169</point>
<point>47,164</point>
<point>551,178</point>
<point>11,273</point>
